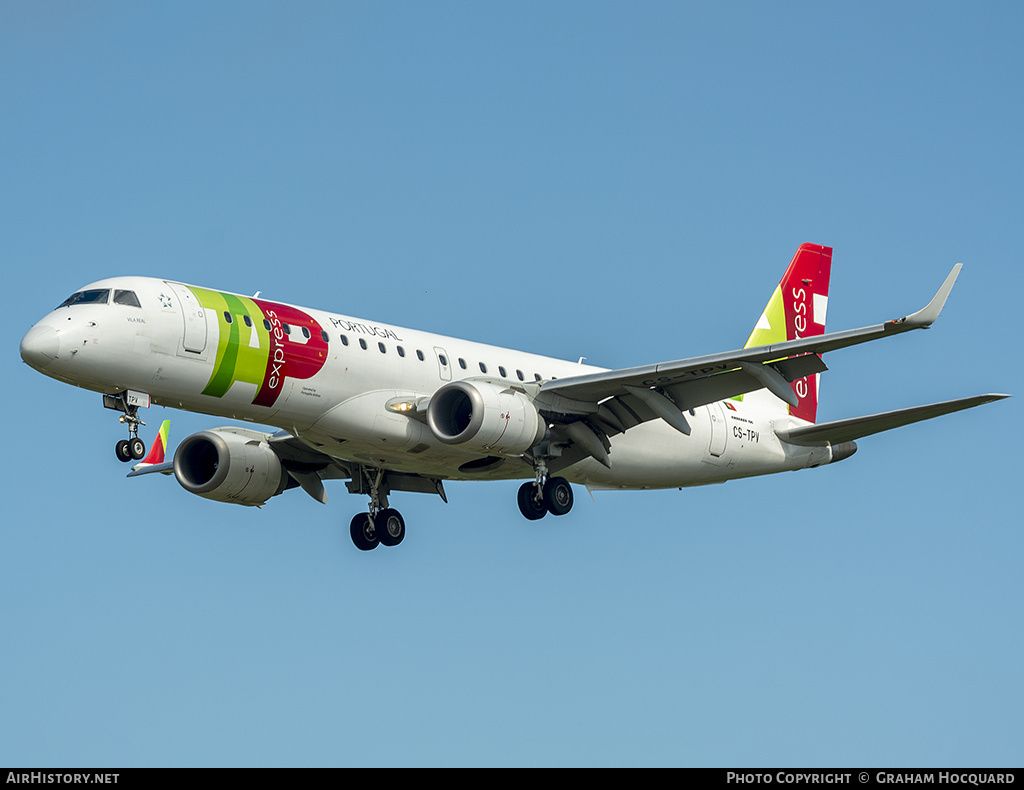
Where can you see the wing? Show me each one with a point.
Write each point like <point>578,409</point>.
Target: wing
<point>164,468</point>
<point>596,406</point>
<point>760,366</point>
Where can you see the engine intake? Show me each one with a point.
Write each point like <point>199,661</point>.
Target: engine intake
<point>484,417</point>
<point>228,467</point>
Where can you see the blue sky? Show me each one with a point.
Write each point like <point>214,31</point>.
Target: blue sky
<point>624,182</point>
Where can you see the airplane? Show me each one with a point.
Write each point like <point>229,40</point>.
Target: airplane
<point>389,409</point>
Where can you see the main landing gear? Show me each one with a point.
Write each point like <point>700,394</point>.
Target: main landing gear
<point>381,524</point>
<point>545,495</point>
<point>386,528</point>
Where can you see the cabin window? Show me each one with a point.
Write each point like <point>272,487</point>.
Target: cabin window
<point>287,328</point>
<point>401,351</point>
<point>126,298</point>
<point>305,332</point>
<point>362,344</point>
<point>442,359</point>
<point>383,348</point>
<point>501,371</point>
<point>483,368</point>
<point>228,318</point>
<point>266,324</point>
<point>519,374</point>
<point>343,339</point>
<point>462,363</point>
<point>419,355</point>
<point>323,336</point>
<point>536,376</point>
<point>248,321</point>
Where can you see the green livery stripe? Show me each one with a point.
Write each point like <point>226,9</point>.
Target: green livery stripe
<point>237,359</point>
<point>772,326</point>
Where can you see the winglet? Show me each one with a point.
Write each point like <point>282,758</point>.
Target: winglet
<point>923,318</point>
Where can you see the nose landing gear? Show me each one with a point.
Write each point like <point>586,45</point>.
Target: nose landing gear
<point>132,448</point>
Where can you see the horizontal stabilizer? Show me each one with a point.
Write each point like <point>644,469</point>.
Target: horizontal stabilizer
<point>857,427</point>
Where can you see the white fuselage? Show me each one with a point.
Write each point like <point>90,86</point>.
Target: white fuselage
<point>330,379</point>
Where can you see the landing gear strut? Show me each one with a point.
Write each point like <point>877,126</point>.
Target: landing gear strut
<point>381,524</point>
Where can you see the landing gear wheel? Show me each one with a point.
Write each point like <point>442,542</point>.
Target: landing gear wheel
<point>558,496</point>
<point>390,527</point>
<point>529,505</point>
<point>137,448</point>
<point>363,532</point>
<point>123,451</point>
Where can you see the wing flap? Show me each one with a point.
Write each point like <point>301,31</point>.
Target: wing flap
<point>619,413</point>
<point>857,427</point>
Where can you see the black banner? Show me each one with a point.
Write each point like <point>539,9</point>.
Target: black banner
<point>958,778</point>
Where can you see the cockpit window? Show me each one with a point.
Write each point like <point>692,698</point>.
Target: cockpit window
<point>97,296</point>
<point>127,298</point>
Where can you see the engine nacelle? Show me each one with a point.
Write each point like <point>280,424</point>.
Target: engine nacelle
<point>484,417</point>
<point>842,451</point>
<point>228,467</point>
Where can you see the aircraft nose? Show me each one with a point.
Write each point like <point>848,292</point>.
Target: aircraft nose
<point>39,346</point>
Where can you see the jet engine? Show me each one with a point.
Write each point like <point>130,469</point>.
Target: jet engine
<point>484,417</point>
<point>229,467</point>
